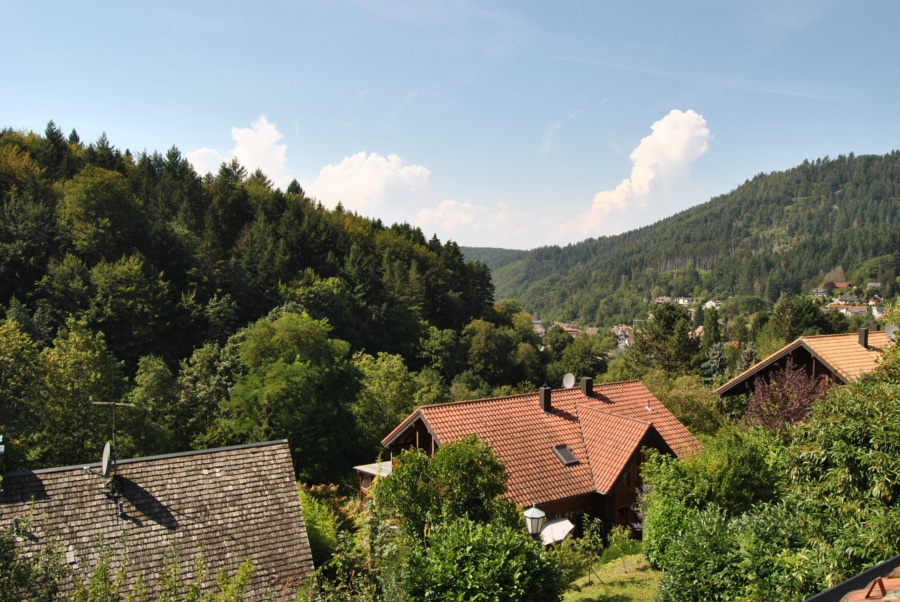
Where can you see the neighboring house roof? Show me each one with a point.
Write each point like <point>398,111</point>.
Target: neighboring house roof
<point>224,505</point>
<point>843,355</point>
<point>880,582</point>
<point>602,431</point>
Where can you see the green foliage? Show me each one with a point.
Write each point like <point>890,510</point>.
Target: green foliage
<point>733,472</point>
<point>78,371</point>
<point>749,557</point>
<point>34,577</point>
<point>692,402</point>
<point>584,356</point>
<point>467,560</point>
<point>322,526</point>
<point>845,482</point>
<point>98,214</point>
<point>299,385</point>
<point>19,390</point>
<point>664,341</point>
<point>465,478</point>
<point>387,395</point>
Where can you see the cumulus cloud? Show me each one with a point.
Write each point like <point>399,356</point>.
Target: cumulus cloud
<point>364,182</point>
<point>661,165</point>
<point>256,147</point>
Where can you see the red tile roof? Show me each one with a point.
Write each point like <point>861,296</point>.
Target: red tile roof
<point>840,353</point>
<point>602,432</point>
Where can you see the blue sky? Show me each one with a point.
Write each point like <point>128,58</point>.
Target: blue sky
<point>511,123</point>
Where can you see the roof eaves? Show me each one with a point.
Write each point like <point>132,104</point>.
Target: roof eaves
<point>725,389</point>
<point>411,420</point>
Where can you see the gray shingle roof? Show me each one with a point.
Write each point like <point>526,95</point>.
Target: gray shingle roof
<point>223,504</point>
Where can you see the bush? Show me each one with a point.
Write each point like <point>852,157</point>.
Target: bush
<point>466,560</point>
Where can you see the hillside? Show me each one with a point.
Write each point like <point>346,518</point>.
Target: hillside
<point>786,232</point>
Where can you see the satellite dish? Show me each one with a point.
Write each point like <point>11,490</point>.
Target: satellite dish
<point>569,380</point>
<point>891,332</point>
<point>105,462</point>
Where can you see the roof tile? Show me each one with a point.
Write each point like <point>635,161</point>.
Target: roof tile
<point>601,431</point>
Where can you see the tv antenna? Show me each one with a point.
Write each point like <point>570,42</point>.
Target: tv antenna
<point>891,332</point>
<point>568,380</point>
<point>108,461</point>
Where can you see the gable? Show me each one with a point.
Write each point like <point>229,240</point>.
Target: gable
<point>223,505</point>
<point>841,357</point>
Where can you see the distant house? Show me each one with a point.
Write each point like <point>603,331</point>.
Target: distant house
<point>848,299</point>
<point>623,334</point>
<point>684,301</point>
<point>871,285</point>
<point>841,285</point>
<point>224,505</point>
<point>712,304</point>
<point>819,292</point>
<point>840,358</point>
<point>849,310</point>
<point>567,451</point>
<point>571,329</point>
<point>662,299</point>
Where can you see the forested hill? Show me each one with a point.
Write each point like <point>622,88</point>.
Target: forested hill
<point>780,232</point>
<point>161,260</point>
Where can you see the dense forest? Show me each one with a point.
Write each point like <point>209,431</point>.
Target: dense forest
<point>777,233</point>
<point>227,311</point>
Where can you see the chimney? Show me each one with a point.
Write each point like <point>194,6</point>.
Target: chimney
<point>864,337</point>
<point>544,397</point>
<point>587,386</point>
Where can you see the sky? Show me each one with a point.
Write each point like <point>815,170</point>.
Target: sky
<point>512,124</point>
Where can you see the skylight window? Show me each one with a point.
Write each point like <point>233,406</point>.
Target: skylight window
<point>565,455</point>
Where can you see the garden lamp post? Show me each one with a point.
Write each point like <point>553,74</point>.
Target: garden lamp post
<point>534,519</point>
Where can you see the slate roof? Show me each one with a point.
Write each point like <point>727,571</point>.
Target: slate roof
<point>842,354</point>
<point>602,431</point>
<point>223,504</point>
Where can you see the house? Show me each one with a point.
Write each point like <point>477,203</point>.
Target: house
<point>871,285</point>
<point>222,505</point>
<point>818,292</point>
<point>571,329</point>
<point>841,358</point>
<point>368,473</point>
<point>567,451</point>
<point>623,334</point>
<point>849,310</point>
<point>848,299</point>
<point>712,304</point>
<point>684,301</point>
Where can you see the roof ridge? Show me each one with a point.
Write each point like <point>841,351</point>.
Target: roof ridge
<point>587,448</point>
<point>608,413</point>
<point>193,452</point>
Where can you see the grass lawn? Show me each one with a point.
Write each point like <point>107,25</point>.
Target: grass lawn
<point>638,584</point>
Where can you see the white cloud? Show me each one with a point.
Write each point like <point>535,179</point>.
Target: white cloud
<point>206,160</point>
<point>661,166</point>
<point>364,182</point>
<point>255,148</point>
